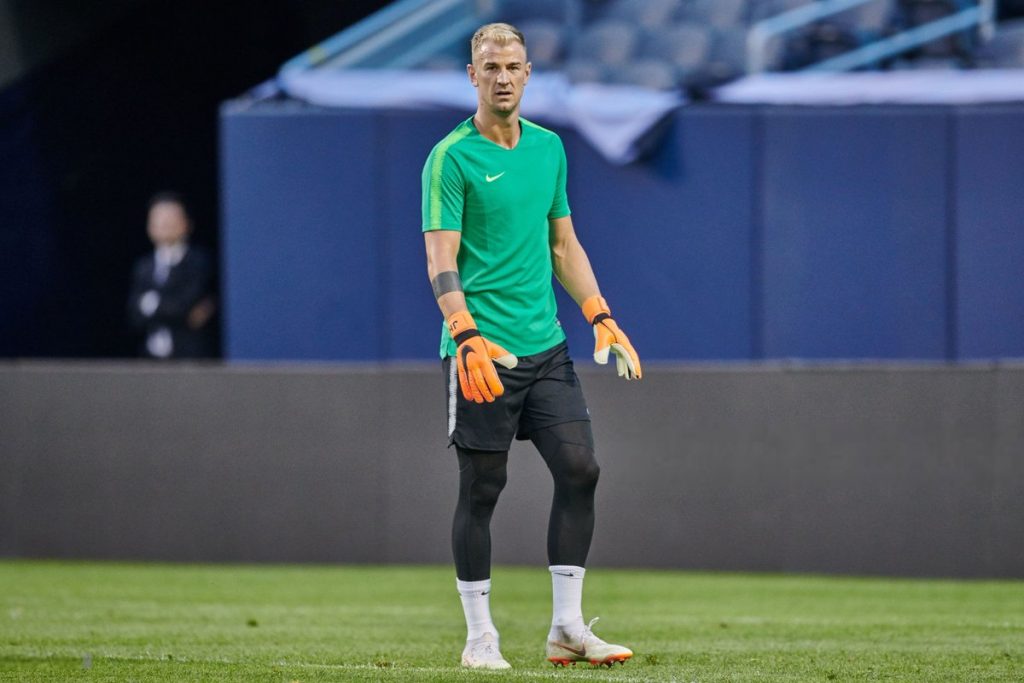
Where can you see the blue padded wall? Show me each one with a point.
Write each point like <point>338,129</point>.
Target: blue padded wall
<point>990,233</point>
<point>854,233</point>
<point>411,321</point>
<point>670,238</point>
<point>301,216</point>
<point>874,232</point>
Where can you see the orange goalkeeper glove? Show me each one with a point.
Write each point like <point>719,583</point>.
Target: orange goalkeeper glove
<point>476,358</point>
<point>608,337</point>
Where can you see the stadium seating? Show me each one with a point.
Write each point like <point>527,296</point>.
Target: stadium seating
<point>918,12</point>
<point>683,47</point>
<point>647,14</point>
<point>764,9</point>
<point>518,10</point>
<point>716,13</point>
<point>649,73</point>
<point>729,53</point>
<point>1006,49</point>
<point>546,40</point>
<point>611,42</point>
<point>669,44</point>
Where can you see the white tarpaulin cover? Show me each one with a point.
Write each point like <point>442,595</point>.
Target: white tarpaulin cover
<point>877,87</point>
<point>613,118</point>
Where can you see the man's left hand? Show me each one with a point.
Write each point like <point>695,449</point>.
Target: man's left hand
<point>609,337</point>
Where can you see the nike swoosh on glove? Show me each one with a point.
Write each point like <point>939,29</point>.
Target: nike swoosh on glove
<point>475,357</point>
<point>608,337</point>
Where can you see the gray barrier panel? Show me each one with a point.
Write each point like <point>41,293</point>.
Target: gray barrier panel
<point>863,470</point>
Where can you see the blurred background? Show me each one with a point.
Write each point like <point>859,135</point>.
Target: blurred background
<point>806,213</point>
<point>102,106</point>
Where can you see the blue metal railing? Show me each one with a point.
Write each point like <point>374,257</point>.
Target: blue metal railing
<point>982,15</point>
<point>761,32</point>
<point>901,42</point>
<point>454,31</point>
<point>379,29</point>
<point>377,41</point>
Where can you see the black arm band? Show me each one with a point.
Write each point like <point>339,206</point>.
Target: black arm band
<point>599,317</point>
<point>443,283</point>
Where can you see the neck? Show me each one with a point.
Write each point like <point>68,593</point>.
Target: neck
<point>501,130</point>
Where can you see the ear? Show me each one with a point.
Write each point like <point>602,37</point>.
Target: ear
<point>471,71</point>
<point>528,69</point>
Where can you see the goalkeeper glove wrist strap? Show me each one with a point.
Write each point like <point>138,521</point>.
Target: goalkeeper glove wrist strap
<point>595,309</point>
<point>462,327</point>
<point>463,337</point>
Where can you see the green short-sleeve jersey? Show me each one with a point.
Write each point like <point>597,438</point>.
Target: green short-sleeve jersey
<point>501,200</point>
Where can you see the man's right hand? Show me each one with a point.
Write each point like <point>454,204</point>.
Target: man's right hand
<point>476,357</point>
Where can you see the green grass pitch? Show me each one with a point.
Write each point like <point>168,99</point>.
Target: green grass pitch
<point>155,622</point>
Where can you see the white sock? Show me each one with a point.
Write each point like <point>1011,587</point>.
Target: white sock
<point>566,598</point>
<point>476,604</point>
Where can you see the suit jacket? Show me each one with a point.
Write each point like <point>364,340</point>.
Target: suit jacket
<point>188,282</point>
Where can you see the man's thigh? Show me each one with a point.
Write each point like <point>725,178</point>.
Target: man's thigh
<point>484,426</point>
<point>555,397</point>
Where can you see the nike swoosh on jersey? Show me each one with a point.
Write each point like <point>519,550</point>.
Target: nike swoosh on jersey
<point>491,178</point>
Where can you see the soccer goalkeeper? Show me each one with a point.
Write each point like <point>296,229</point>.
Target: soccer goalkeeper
<point>496,225</point>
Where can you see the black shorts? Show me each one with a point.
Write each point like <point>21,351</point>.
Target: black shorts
<point>543,390</point>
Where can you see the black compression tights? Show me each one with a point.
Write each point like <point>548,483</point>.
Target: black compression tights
<point>568,450</point>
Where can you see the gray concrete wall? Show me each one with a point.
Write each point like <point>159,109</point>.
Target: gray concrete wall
<point>875,470</point>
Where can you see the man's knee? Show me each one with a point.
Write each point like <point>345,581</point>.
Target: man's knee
<point>486,488</point>
<point>579,466</point>
<point>482,475</point>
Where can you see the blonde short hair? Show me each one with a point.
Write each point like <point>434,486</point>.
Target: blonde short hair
<point>499,33</point>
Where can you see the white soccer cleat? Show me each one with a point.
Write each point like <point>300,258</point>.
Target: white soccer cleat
<point>569,648</point>
<point>483,653</point>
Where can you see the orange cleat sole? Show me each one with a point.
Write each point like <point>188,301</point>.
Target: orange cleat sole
<point>610,661</point>
<point>607,661</point>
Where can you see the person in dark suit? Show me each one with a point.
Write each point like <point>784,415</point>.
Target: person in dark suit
<point>172,301</point>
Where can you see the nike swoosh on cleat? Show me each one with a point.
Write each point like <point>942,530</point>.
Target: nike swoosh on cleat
<point>491,178</point>
<point>580,652</point>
